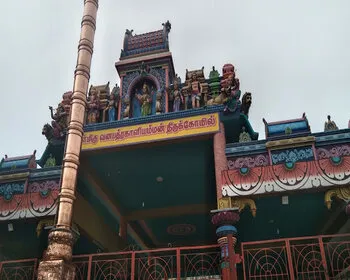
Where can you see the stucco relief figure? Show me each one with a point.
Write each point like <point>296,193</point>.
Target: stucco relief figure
<point>196,93</point>
<point>126,113</point>
<point>177,97</point>
<point>246,103</point>
<point>330,125</point>
<point>112,105</point>
<point>60,121</point>
<point>93,114</point>
<point>233,95</point>
<point>159,97</point>
<point>145,100</point>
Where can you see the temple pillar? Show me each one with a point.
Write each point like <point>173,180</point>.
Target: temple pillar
<point>56,263</point>
<point>220,159</point>
<point>224,221</point>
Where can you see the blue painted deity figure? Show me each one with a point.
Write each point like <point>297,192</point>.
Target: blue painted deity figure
<point>112,104</point>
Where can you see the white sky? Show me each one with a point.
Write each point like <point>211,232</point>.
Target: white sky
<point>292,55</point>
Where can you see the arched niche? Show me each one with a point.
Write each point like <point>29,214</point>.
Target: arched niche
<point>135,91</point>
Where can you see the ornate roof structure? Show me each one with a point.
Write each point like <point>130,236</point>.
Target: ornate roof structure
<point>22,162</point>
<point>151,42</point>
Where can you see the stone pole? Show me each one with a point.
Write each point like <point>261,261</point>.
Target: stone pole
<point>56,263</point>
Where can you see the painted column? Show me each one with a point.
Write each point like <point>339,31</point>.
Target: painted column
<point>224,221</point>
<point>57,261</point>
<point>219,158</point>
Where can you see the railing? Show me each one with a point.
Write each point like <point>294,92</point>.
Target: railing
<point>201,262</point>
<point>319,257</point>
<point>18,270</point>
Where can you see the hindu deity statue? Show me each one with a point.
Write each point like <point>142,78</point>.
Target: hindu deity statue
<point>233,94</point>
<point>126,113</point>
<point>145,100</point>
<point>246,103</point>
<point>66,101</point>
<point>112,104</point>
<point>177,96</point>
<point>330,125</point>
<point>93,107</point>
<point>244,136</point>
<point>159,97</point>
<point>59,121</point>
<point>196,93</point>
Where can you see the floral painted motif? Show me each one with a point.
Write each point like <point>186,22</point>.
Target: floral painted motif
<point>287,176</point>
<point>28,206</point>
<point>8,190</point>
<point>335,169</point>
<point>41,200</point>
<point>333,151</point>
<point>245,179</point>
<point>43,186</point>
<point>292,155</point>
<point>250,162</point>
<point>290,175</point>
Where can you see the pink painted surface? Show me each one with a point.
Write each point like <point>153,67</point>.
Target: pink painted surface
<point>279,178</point>
<point>29,205</point>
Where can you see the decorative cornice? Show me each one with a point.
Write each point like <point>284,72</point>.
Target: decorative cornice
<point>323,173</point>
<point>14,177</point>
<point>292,142</point>
<point>46,173</point>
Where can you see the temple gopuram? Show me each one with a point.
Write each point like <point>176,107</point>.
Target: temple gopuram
<point>174,183</point>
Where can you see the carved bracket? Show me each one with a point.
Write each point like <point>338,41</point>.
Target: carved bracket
<point>340,193</point>
<point>241,203</point>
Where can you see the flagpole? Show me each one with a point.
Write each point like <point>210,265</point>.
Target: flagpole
<point>56,263</point>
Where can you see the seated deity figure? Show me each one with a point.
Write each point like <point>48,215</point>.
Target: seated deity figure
<point>93,108</point>
<point>145,100</point>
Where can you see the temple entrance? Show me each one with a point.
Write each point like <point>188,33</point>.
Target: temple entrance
<point>143,99</point>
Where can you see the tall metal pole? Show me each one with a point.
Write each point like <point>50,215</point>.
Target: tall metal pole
<point>56,263</point>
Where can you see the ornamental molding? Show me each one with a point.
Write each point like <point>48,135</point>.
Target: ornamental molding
<point>14,177</point>
<point>292,142</point>
<point>30,205</point>
<point>329,172</point>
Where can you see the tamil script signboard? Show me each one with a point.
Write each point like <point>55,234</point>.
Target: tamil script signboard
<point>151,132</point>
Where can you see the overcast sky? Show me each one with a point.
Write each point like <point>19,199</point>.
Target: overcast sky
<point>292,55</point>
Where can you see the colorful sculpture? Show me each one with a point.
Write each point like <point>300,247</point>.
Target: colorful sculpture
<point>112,104</point>
<point>145,100</point>
<point>330,125</point>
<point>175,95</point>
<point>233,94</point>
<point>93,114</point>
<point>126,113</point>
<point>246,103</point>
<point>196,89</point>
<point>59,121</point>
